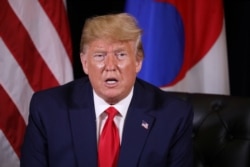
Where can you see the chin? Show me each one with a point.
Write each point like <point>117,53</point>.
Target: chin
<point>111,99</point>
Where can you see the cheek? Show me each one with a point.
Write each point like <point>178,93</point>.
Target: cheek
<point>130,65</point>
<point>89,66</point>
<point>94,68</point>
<point>125,65</point>
<point>99,65</point>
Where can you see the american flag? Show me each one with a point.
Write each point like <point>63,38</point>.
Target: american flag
<point>35,54</point>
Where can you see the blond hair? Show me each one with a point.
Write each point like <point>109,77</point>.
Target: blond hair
<point>119,27</point>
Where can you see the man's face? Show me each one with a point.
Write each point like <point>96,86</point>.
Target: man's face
<point>112,68</point>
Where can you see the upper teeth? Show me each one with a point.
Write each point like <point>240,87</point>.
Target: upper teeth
<point>113,81</point>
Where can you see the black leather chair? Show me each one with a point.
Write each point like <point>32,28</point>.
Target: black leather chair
<point>221,129</point>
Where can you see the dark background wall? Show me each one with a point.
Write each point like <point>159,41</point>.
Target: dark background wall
<point>237,17</point>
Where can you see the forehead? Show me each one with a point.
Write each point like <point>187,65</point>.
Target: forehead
<point>101,44</point>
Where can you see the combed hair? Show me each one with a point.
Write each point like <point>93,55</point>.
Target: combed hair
<point>119,27</point>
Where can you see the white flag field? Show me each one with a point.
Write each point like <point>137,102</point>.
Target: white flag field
<point>35,54</point>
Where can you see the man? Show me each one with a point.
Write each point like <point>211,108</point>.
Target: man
<point>66,123</point>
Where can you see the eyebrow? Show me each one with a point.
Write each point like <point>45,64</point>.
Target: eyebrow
<point>118,49</point>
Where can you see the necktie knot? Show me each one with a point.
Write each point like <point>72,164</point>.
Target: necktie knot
<point>111,111</point>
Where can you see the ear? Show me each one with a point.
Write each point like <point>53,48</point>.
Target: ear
<point>139,59</point>
<point>138,64</point>
<point>84,62</point>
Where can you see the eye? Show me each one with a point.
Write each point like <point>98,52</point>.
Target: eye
<point>121,55</point>
<point>99,56</point>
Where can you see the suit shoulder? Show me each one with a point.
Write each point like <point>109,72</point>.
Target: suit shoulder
<point>159,97</point>
<point>62,90</point>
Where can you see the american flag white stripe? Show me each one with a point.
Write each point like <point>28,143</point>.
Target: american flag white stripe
<point>8,157</point>
<point>44,36</point>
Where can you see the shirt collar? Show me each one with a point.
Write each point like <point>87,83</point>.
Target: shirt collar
<point>121,106</point>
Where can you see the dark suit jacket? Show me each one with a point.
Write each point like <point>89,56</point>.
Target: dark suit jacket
<point>62,130</point>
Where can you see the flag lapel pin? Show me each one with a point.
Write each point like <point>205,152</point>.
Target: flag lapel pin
<point>144,124</point>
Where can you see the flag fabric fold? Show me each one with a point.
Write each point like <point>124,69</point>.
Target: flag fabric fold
<point>184,44</point>
<point>35,54</point>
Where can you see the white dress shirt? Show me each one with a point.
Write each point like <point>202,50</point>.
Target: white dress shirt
<point>101,116</point>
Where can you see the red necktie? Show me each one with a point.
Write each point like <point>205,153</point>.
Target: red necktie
<point>109,142</point>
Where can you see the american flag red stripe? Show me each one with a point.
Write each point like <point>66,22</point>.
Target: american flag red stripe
<point>11,122</point>
<point>17,39</point>
<point>55,19</point>
<point>35,54</point>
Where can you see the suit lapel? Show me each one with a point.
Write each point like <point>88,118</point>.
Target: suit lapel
<point>82,118</point>
<point>139,121</point>
<point>136,130</point>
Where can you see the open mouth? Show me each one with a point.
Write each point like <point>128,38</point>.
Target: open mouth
<point>111,81</point>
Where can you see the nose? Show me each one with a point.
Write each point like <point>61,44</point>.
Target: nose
<point>110,62</point>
